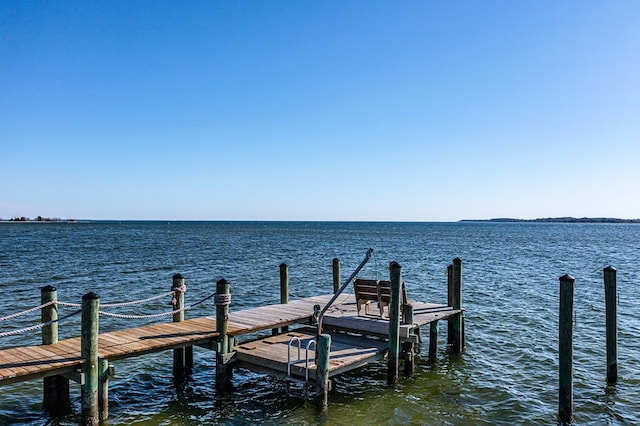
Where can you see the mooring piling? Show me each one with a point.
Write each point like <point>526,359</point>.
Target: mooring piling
<point>335,267</point>
<point>222,300</point>
<point>395,275</point>
<point>456,323</point>
<point>565,340</point>
<point>450,303</point>
<point>284,283</point>
<point>55,395</point>
<point>182,357</point>
<point>284,294</point>
<point>323,349</point>
<point>610,294</point>
<point>89,353</point>
<point>103,388</point>
<point>433,340</point>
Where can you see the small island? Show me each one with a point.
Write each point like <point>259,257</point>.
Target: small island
<point>559,220</point>
<point>37,219</point>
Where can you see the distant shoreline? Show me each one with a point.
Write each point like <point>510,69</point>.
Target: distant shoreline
<point>558,220</point>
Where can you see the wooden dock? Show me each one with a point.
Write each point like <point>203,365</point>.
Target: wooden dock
<point>240,339</point>
<point>31,362</point>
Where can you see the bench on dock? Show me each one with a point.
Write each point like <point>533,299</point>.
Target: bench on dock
<point>367,290</point>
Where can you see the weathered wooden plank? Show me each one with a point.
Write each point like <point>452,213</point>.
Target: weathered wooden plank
<point>270,354</point>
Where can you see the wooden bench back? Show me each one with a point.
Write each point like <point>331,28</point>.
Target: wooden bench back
<point>367,290</point>
<point>384,292</point>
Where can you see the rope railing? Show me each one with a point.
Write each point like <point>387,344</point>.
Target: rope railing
<point>137,302</point>
<point>173,292</point>
<point>162,314</point>
<point>38,326</point>
<point>28,311</point>
<point>220,299</point>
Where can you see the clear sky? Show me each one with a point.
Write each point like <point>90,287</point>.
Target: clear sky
<point>319,110</point>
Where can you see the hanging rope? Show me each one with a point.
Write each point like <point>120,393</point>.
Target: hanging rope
<point>38,326</point>
<point>17,314</point>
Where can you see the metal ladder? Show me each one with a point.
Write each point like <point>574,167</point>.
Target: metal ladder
<point>292,380</point>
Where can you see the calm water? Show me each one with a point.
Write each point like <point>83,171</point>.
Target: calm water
<point>508,374</point>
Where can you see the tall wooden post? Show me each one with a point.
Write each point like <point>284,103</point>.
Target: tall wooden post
<point>433,340</point>
<point>284,283</point>
<point>89,353</point>
<point>182,358</point>
<point>450,303</point>
<point>284,294</point>
<point>103,388</point>
<point>565,338</point>
<point>222,301</point>
<point>335,266</point>
<point>395,274</point>
<point>456,303</point>
<point>407,347</point>
<point>610,295</point>
<point>323,352</point>
<point>55,395</point>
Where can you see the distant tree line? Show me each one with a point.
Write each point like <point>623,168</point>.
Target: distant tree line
<point>37,219</point>
<point>560,220</point>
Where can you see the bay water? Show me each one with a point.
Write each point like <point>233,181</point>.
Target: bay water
<point>507,375</point>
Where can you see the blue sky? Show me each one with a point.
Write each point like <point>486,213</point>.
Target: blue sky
<point>324,110</point>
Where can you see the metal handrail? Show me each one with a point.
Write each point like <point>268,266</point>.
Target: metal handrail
<point>321,313</point>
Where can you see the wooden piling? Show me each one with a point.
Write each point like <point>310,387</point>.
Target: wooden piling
<point>456,303</point>
<point>565,338</point>
<point>610,295</point>
<point>182,357</point>
<point>222,301</point>
<point>433,340</point>
<point>395,274</point>
<point>323,352</point>
<point>55,392</point>
<point>103,389</point>
<point>335,266</point>
<point>408,347</point>
<point>284,294</point>
<point>89,353</point>
<point>450,303</point>
<point>284,283</point>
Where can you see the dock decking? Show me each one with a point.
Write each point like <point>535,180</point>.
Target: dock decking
<point>30,362</point>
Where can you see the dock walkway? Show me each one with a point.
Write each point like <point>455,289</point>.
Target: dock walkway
<point>31,362</point>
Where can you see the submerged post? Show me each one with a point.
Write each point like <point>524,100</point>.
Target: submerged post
<point>182,359</point>
<point>55,395</point>
<point>89,353</point>
<point>456,303</point>
<point>335,266</point>
<point>323,349</point>
<point>222,300</point>
<point>565,338</point>
<point>395,275</point>
<point>610,295</point>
